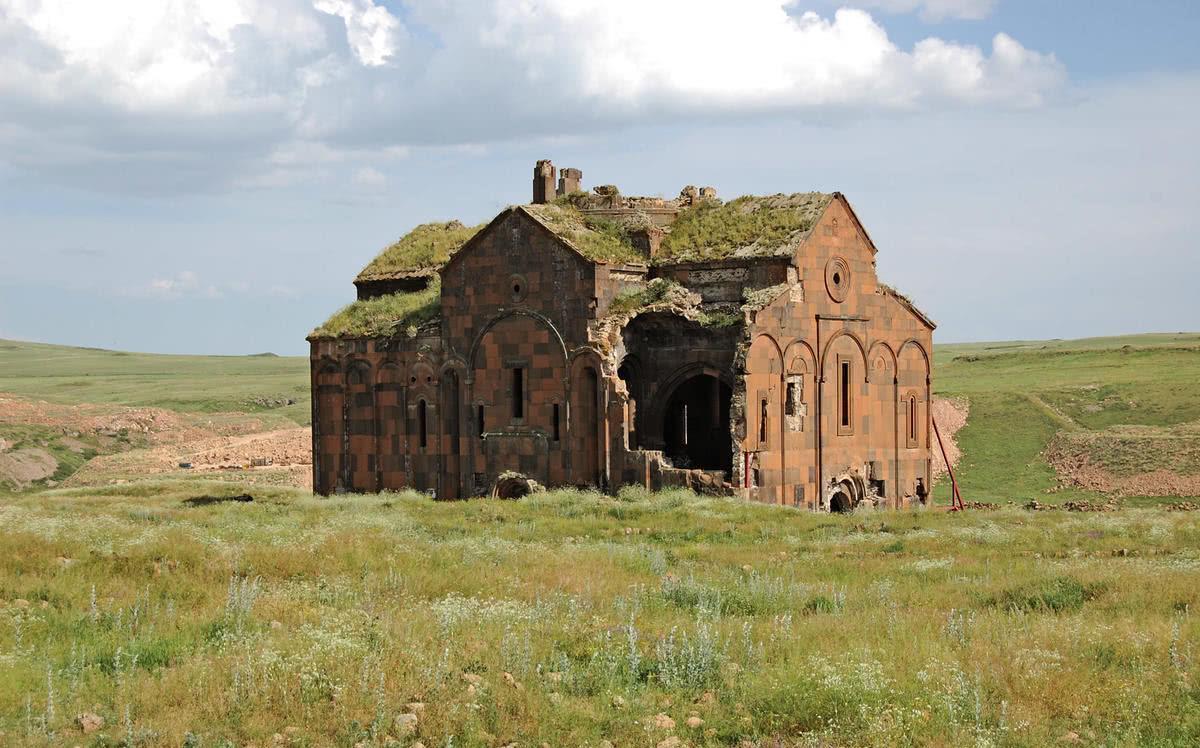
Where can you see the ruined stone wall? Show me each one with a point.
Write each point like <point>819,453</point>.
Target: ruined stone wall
<point>846,335</point>
<point>446,411</point>
<point>662,352</point>
<point>518,299</point>
<point>368,395</point>
<point>725,283</point>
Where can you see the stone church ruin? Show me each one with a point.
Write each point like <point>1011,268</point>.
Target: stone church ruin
<point>597,339</point>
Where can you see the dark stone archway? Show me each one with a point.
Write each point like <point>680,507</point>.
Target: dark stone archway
<point>847,493</point>
<point>695,424</point>
<point>840,502</point>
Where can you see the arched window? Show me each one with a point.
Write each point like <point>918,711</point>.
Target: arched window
<point>518,393</point>
<point>845,396</point>
<point>422,424</point>
<point>911,407</point>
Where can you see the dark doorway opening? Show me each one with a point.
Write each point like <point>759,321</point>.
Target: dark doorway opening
<point>845,498</point>
<point>840,502</point>
<point>627,373</point>
<point>696,425</point>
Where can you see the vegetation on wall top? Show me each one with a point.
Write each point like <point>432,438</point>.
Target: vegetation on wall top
<point>750,226</point>
<point>667,296</point>
<point>421,251</point>
<point>384,316</point>
<point>597,238</point>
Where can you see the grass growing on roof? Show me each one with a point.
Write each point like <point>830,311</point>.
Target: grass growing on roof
<point>746,227</point>
<point>384,315</point>
<point>427,247</point>
<point>597,238</point>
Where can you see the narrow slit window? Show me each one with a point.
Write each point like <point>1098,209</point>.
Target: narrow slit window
<point>554,422</point>
<point>845,391</point>
<point>518,392</point>
<point>479,420</point>
<point>790,404</point>
<point>912,418</point>
<point>763,428</point>
<point>422,425</point>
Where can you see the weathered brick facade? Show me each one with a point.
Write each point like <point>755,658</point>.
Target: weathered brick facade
<point>790,376</point>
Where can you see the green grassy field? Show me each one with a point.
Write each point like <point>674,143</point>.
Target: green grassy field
<point>578,619</point>
<point>1023,393</point>
<point>190,384</point>
<point>570,619</point>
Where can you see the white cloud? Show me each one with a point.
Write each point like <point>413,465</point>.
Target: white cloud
<point>371,30</point>
<point>184,283</point>
<point>197,94</point>
<point>935,10</point>
<point>369,177</point>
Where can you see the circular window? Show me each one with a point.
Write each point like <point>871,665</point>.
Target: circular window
<point>519,287</point>
<point>837,279</point>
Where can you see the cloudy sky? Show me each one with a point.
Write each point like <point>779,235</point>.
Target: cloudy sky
<point>208,175</point>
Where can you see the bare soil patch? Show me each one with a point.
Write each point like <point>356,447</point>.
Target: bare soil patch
<point>157,424</point>
<point>950,413</point>
<point>1130,460</point>
<point>286,452</point>
<point>21,467</point>
<point>136,441</point>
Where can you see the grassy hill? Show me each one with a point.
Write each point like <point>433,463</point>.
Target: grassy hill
<point>190,384</point>
<point>1024,394</point>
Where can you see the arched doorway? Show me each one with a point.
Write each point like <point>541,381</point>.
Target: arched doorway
<point>846,495</point>
<point>586,428</point>
<point>696,424</point>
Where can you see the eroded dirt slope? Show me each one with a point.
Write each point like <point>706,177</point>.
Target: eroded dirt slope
<point>114,444</point>
<point>950,414</point>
